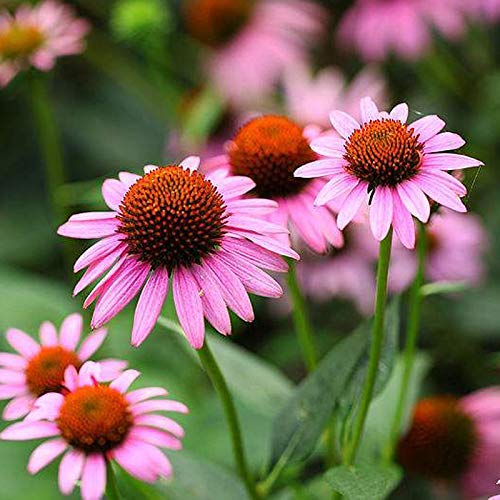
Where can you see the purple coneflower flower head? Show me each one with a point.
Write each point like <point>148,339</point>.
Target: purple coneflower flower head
<point>177,226</point>
<point>268,149</point>
<point>455,440</point>
<point>37,369</point>
<point>394,167</point>
<point>36,36</point>
<point>93,423</point>
<point>253,41</point>
<point>377,28</point>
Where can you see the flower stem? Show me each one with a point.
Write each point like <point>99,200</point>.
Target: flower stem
<point>375,349</point>
<point>411,342</point>
<point>301,319</point>
<point>210,365</point>
<point>112,492</point>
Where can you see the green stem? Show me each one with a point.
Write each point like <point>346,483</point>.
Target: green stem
<point>413,326</point>
<point>210,365</point>
<point>375,349</point>
<point>301,319</point>
<point>112,492</point>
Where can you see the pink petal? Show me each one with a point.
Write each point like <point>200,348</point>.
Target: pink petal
<point>113,192</point>
<point>70,470</point>
<point>442,194</point>
<point>48,334</point>
<point>158,461</point>
<point>82,228</point>
<point>400,112</point>
<point>18,407</point>
<point>46,453</point>
<point>126,455</point>
<point>443,142</point>
<point>320,168</point>
<point>97,251</point>
<point>48,406</point>
<point>304,219</point>
<point>150,168</point>
<point>22,343</point>
<point>12,391</point>
<point>90,345</point>
<point>402,222</point>
<point>155,437</point>
<point>125,380</point>
<point>449,161</point>
<point>13,361</point>
<point>445,179</point>
<point>427,127</point>
<point>161,422</point>
<point>268,242</point>
<point>128,178</point>
<point>190,163</point>
<point>381,212</point>
<point>232,187</point>
<point>252,206</point>
<point>351,204</point>
<point>23,431</point>
<point>111,368</point>
<point>71,330</point>
<point>89,373</point>
<point>255,254</point>
<point>335,187</point>
<point>249,223</point>
<point>142,394</point>
<point>158,405</point>
<point>122,288</point>
<point>12,377</point>
<point>344,124</point>
<point>414,200</point>
<point>369,110</point>
<point>330,146</point>
<point>150,305</point>
<point>70,378</point>
<point>214,307</point>
<point>188,306</point>
<point>93,477</point>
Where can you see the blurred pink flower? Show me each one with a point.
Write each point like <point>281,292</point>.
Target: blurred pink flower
<point>456,245</point>
<point>268,149</point>
<point>37,36</point>
<point>253,42</point>
<point>376,28</point>
<point>456,440</point>
<point>39,369</point>
<point>391,166</point>
<point>175,224</point>
<point>309,99</point>
<point>485,10</point>
<point>94,424</point>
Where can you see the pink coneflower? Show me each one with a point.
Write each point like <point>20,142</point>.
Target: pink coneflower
<point>96,423</point>
<point>175,224</point>
<point>39,369</point>
<point>268,149</point>
<point>376,28</point>
<point>252,42</point>
<point>394,166</point>
<point>309,99</point>
<point>36,36</point>
<point>456,244</point>
<point>456,440</point>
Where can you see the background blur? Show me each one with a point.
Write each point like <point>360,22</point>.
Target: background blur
<point>140,94</point>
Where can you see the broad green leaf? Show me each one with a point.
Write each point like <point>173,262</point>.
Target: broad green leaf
<point>363,482</point>
<point>302,420</point>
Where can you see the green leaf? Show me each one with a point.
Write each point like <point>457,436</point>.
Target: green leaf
<point>440,287</point>
<point>197,479</point>
<point>302,420</point>
<point>364,482</point>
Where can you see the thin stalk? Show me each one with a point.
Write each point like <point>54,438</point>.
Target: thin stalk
<point>375,349</point>
<point>413,327</point>
<point>301,319</point>
<point>210,365</point>
<point>112,492</point>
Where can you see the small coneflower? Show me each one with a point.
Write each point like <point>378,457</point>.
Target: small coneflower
<point>177,225</point>
<point>393,166</point>
<point>36,36</point>
<point>268,149</point>
<point>39,369</point>
<point>455,440</point>
<point>252,41</point>
<point>94,423</point>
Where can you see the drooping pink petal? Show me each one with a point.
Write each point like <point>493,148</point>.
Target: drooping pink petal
<point>351,204</point>
<point>400,112</point>
<point>126,456</point>
<point>440,193</point>
<point>12,377</point>
<point>125,380</point>
<point>445,179</point>
<point>269,242</point>
<point>93,477</point>
<point>46,453</point>
<point>97,251</point>
<point>18,407</point>
<point>23,431</point>
<point>13,361</point>
<point>111,368</point>
<point>344,124</point>
<point>330,146</point>
<point>71,330</point>
<point>249,223</point>
<point>12,391</point>
<point>190,163</point>
<point>70,378</point>
<point>91,344</point>
<point>381,212</point>
<point>83,226</point>
<point>414,200</point>
<point>155,437</point>
<point>336,187</point>
<point>48,334</point>
<point>443,142</point>
<point>128,178</point>
<point>320,168</point>
<point>188,306</point>
<point>89,373</point>
<point>70,470</point>
<point>402,222</point>
<point>232,187</point>
<point>113,192</point>
<point>158,405</point>
<point>369,110</point>
<point>427,127</point>
<point>22,343</point>
<point>302,216</point>
<point>150,305</point>
<point>158,461</point>
<point>48,406</point>
<point>142,394</point>
<point>449,161</point>
<point>252,206</point>
<point>161,422</point>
